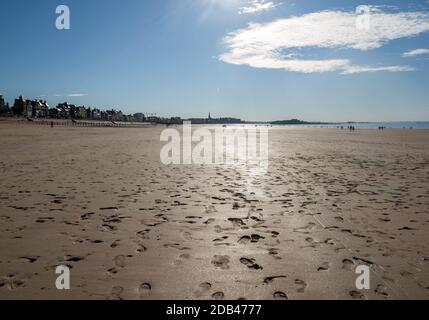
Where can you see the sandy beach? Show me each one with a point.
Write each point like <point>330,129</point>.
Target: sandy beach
<point>100,201</point>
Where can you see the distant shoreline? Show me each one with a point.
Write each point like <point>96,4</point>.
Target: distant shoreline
<point>302,124</point>
<point>225,120</point>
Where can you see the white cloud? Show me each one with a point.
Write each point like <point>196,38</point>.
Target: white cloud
<point>415,52</point>
<point>360,69</point>
<point>268,45</point>
<point>77,95</point>
<point>253,6</point>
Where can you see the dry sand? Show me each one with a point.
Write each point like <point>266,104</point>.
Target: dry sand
<point>98,200</point>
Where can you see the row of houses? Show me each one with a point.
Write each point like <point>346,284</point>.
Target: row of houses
<point>40,109</point>
<point>71,111</point>
<point>30,108</point>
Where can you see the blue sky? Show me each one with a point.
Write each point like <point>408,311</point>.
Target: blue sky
<point>253,59</point>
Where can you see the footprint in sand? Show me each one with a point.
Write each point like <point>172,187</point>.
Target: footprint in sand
<point>218,295</point>
<point>279,295</point>
<point>112,271</point>
<point>381,291</point>
<point>221,262</point>
<point>114,244</point>
<point>250,263</point>
<point>312,242</point>
<point>86,216</point>
<point>302,284</point>
<point>220,239</point>
<point>339,219</point>
<point>28,259</point>
<point>177,246</point>
<point>109,208</point>
<point>70,258</point>
<point>236,222</point>
<point>144,290</point>
<point>13,283</point>
<point>208,221</point>
<point>107,227</point>
<point>356,295</point>
<point>140,248</point>
<point>274,234</point>
<point>256,237</point>
<point>274,253</point>
<point>203,288</point>
<point>329,241</point>
<point>348,264</point>
<point>181,259</point>
<point>323,267</point>
<point>120,260</point>
<point>143,234</point>
<point>271,279</point>
<point>96,241</point>
<point>210,209</point>
<point>244,240</point>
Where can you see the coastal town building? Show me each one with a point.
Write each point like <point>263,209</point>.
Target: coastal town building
<point>95,114</point>
<point>139,117</point>
<point>40,109</point>
<point>81,113</point>
<point>153,119</point>
<point>19,106</point>
<point>4,107</point>
<point>63,110</point>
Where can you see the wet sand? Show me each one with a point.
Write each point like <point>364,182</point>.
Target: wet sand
<point>100,201</point>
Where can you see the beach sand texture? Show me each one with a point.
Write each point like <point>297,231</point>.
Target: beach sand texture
<point>100,201</point>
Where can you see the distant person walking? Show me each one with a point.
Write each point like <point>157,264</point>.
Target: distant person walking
<point>52,124</point>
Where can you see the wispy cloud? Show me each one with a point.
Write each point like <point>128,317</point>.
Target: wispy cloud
<point>253,6</point>
<point>360,69</point>
<point>415,52</point>
<point>269,45</point>
<point>77,94</point>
